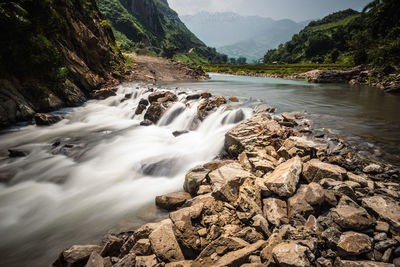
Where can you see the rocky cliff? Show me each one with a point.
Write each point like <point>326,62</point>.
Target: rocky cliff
<point>53,54</point>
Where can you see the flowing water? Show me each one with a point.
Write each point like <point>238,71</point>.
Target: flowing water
<point>106,169</point>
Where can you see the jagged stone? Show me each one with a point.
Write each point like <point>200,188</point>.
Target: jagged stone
<point>95,260</point>
<point>154,112</point>
<point>291,255</point>
<point>164,244</point>
<point>315,170</point>
<point>172,201</point>
<point>352,243</point>
<point>79,253</point>
<point>146,261</point>
<point>306,198</point>
<point>194,178</point>
<point>347,263</point>
<point>127,260</point>
<point>275,210</point>
<point>142,247</point>
<point>112,248</point>
<point>103,94</point>
<point>283,181</point>
<point>44,119</point>
<point>388,210</point>
<point>240,256</point>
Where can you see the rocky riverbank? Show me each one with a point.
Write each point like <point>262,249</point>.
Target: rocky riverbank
<point>279,196</point>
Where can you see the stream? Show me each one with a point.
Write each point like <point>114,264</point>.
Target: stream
<point>98,169</point>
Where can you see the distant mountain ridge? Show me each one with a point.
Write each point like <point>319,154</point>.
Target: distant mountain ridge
<point>236,35</point>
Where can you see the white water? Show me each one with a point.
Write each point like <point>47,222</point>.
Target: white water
<point>112,173</point>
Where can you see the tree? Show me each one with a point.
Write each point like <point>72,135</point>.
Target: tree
<point>241,60</point>
<point>232,60</point>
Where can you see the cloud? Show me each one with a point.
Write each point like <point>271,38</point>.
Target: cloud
<point>293,9</point>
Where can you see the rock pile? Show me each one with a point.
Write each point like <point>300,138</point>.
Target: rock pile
<point>277,201</point>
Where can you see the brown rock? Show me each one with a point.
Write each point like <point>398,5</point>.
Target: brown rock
<point>207,106</point>
<point>352,243</point>
<point>249,199</point>
<point>112,248</point>
<point>306,198</point>
<point>346,263</point>
<point>140,108</point>
<point>233,99</point>
<point>235,258</point>
<point>44,119</point>
<point>127,260</point>
<point>153,97</point>
<point>80,252</point>
<point>226,181</point>
<point>315,170</point>
<point>164,244</point>
<point>146,261</point>
<point>349,215</point>
<point>291,254</point>
<point>95,260</point>
<point>261,225</point>
<point>172,201</point>
<point>205,95</point>
<point>180,264</point>
<point>103,94</point>
<point>142,247</point>
<point>387,209</point>
<point>382,227</point>
<point>373,168</point>
<point>194,178</point>
<point>275,210</point>
<point>154,112</point>
<point>275,239</point>
<point>283,181</point>
<point>229,243</point>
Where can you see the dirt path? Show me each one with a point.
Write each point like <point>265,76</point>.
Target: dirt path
<point>156,69</point>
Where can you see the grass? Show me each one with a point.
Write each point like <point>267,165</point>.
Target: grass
<point>260,69</point>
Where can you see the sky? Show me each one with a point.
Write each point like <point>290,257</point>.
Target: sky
<point>297,10</point>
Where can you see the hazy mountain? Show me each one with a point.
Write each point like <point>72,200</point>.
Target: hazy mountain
<point>236,35</point>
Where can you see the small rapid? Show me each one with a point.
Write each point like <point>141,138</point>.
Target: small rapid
<point>98,169</point>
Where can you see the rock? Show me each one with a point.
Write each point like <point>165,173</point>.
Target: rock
<point>350,216</point>
<point>382,227</point>
<point>262,164</point>
<point>229,243</point>
<point>373,169</point>
<point>331,76</point>
<point>179,133</point>
<point>44,119</point>
<point>347,263</point>
<point>275,210</point>
<point>205,95</point>
<point>95,260</point>
<point>385,244</point>
<point>249,234</point>
<point>352,243</point>
<point>140,108</point>
<point>331,236</point>
<point>193,97</point>
<point>306,198</point>
<point>235,258</point>
<point>172,201</point>
<point>204,189</point>
<point>291,254</point>
<point>261,225</point>
<point>154,112</point>
<point>315,170</point>
<point>207,106</point>
<point>358,179</point>
<point>146,123</point>
<point>194,178</point>
<point>144,102</point>
<point>146,261</point>
<point>112,247</point>
<point>283,181</point>
<point>302,146</point>
<point>16,153</point>
<point>103,94</point>
<point>226,181</point>
<point>180,264</point>
<point>79,253</point>
<point>142,247</point>
<point>164,244</point>
<point>154,97</point>
<point>233,99</point>
<point>387,210</point>
<point>127,261</point>
<point>251,133</point>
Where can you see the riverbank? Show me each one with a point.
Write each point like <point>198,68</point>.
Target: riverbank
<point>317,73</point>
<point>280,194</point>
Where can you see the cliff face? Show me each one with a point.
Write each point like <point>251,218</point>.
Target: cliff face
<point>147,13</point>
<point>53,55</point>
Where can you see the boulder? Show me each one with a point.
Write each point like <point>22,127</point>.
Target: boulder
<point>387,210</point>
<point>103,94</point>
<point>146,261</point>
<point>79,253</point>
<point>140,108</point>
<point>193,97</point>
<point>44,119</point>
<point>315,170</point>
<point>164,244</point>
<point>205,95</point>
<point>291,254</point>
<point>238,257</point>
<point>275,239</point>
<point>229,243</point>
<point>373,169</point>
<point>275,210</point>
<point>350,216</point>
<point>172,201</point>
<point>362,181</point>
<point>155,96</point>
<point>95,260</point>
<point>233,99</point>
<point>261,225</point>
<point>283,180</point>
<point>127,260</point>
<point>306,198</point>
<point>112,247</point>
<point>303,146</point>
<point>17,153</point>
<point>251,133</point>
<point>194,178</point>
<point>207,106</point>
<point>226,181</point>
<point>142,247</point>
<point>352,244</point>
<point>144,102</point>
<point>154,112</point>
<point>180,264</point>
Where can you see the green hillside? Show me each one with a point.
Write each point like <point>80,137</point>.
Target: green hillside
<point>151,27</point>
<point>347,37</point>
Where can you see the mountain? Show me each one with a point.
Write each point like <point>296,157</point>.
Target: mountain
<point>235,35</point>
<point>350,37</point>
<point>52,54</point>
<point>152,27</point>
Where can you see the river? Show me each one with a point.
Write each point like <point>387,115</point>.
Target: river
<point>107,169</point>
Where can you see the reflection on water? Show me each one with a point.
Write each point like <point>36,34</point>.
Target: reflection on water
<point>362,113</point>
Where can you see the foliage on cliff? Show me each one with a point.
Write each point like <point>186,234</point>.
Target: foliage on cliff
<point>371,37</point>
<point>152,27</point>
